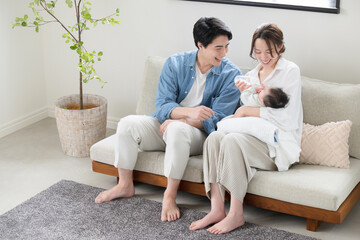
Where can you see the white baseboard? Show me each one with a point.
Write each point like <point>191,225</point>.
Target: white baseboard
<point>112,122</point>
<point>24,121</point>
<point>38,115</point>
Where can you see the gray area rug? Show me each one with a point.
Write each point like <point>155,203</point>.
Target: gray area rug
<point>67,210</point>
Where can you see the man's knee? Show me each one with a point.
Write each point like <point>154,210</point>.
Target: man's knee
<point>126,123</point>
<point>177,131</point>
<point>132,124</point>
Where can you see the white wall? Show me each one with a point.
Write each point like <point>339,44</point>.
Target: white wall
<point>22,85</point>
<point>323,45</point>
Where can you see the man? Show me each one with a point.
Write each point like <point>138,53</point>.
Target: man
<point>195,91</point>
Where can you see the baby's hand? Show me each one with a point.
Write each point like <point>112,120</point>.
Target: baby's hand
<point>242,86</point>
<point>259,89</point>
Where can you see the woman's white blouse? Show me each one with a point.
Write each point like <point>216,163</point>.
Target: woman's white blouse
<point>286,76</point>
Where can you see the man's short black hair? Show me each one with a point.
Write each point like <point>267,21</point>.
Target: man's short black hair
<point>207,29</point>
<point>277,98</point>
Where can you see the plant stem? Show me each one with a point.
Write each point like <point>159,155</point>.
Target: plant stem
<point>77,7</point>
<point>45,8</point>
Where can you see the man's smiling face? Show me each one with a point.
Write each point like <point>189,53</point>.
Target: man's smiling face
<point>215,51</point>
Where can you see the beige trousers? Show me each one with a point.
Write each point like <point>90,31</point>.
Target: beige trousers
<point>179,141</point>
<point>231,160</point>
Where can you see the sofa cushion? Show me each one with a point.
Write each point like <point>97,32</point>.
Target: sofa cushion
<point>152,71</point>
<point>309,185</point>
<point>326,144</point>
<point>331,102</point>
<point>151,162</point>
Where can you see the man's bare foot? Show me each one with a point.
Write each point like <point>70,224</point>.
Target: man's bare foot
<point>229,223</point>
<point>214,216</point>
<point>120,190</point>
<point>170,212</point>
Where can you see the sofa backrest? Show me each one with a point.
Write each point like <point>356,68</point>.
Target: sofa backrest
<point>152,71</point>
<point>322,101</point>
<point>330,102</point>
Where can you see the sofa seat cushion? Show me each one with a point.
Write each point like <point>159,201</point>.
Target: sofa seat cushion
<point>310,185</point>
<point>151,162</point>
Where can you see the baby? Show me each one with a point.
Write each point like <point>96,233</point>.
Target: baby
<point>259,96</point>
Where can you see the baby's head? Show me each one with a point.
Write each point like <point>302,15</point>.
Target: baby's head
<point>273,97</point>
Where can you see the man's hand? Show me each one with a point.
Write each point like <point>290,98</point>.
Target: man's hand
<point>165,124</point>
<point>200,113</point>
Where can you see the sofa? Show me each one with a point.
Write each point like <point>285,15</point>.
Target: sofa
<point>316,192</point>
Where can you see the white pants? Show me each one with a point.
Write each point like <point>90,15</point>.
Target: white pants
<point>179,141</point>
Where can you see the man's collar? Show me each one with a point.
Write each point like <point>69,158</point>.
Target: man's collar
<point>191,62</point>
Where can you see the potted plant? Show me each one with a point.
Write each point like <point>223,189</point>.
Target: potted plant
<point>80,118</point>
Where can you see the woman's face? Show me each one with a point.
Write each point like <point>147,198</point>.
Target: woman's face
<point>263,54</point>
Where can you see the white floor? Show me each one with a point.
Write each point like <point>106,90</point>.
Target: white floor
<point>31,160</point>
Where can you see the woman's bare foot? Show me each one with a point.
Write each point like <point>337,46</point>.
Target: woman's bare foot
<point>120,190</point>
<point>214,216</point>
<point>170,212</point>
<point>229,223</point>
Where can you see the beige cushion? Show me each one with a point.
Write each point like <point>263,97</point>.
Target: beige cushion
<point>309,185</point>
<point>331,102</point>
<point>326,144</point>
<point>151,162</point>
<point>152,71</point>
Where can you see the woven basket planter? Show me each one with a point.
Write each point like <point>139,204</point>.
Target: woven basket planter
<point>80,129</point>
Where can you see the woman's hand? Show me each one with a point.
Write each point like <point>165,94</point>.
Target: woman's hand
<point>242,86</point>
<point>246,111</point>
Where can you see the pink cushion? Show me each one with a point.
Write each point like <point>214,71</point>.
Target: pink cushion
<point>326,145</point>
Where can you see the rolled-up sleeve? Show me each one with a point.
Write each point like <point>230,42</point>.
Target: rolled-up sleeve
<point>166,94</point>
<point>225,103</point>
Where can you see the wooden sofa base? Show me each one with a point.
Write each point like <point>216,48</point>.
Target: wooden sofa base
<point>313,215</point>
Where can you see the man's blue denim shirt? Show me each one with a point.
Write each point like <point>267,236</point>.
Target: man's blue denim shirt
<point>177,77</point>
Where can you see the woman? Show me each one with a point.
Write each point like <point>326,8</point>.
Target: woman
<point>231,160</point>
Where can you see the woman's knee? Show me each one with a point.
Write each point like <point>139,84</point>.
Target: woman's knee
<point>214,138</point>
<point>233,139</point>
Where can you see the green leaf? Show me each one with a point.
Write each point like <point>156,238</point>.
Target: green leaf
<point>73,47</point>
<point>79,51</point>
<point>87,16</point>
<point>99,59</point>
<point>26,17</point>
<point>37,29</point>
<point>24,24</point>
<point>117,10</point>
<point>36,23</point>
<point>69,3</point>
<point>100,54</point>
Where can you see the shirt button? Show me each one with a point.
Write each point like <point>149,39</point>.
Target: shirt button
<point>185,91</point>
